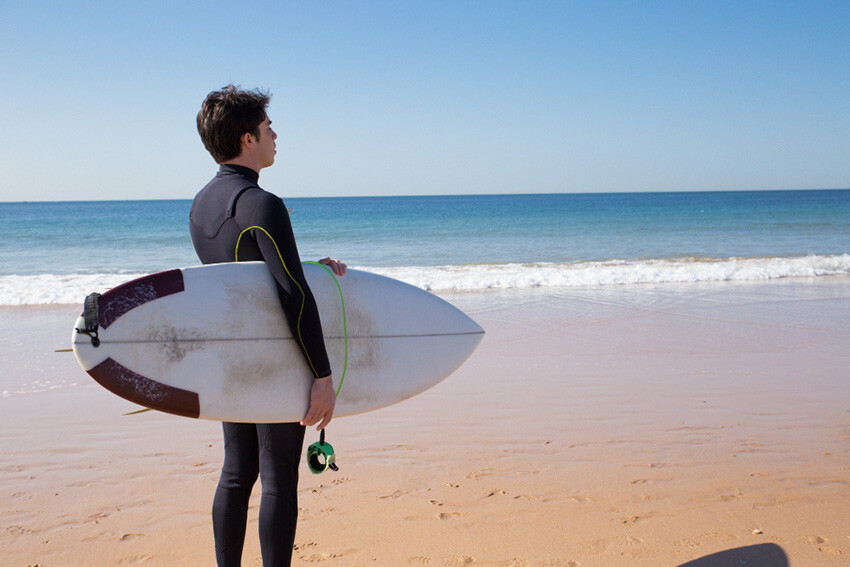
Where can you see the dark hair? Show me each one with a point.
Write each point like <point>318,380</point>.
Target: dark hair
<point>226,115</point>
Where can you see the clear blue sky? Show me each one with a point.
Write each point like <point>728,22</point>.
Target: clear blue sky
<point>401,97</point>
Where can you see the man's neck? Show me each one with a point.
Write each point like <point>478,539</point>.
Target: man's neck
<point>246,172</point>
<point>244,161</point>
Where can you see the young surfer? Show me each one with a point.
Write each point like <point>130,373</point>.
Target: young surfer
<point>233,219</point>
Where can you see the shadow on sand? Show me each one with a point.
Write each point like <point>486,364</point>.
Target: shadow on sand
<point>763,555</point>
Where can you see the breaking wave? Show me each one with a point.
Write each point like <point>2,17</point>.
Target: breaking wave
<point>73,288</point>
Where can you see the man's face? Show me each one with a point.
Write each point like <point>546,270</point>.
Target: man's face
<point>266,143</point>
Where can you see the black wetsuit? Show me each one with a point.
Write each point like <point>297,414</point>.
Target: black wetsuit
<point>232,210</point>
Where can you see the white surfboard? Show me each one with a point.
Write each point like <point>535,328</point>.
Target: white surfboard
<point>212,342</point>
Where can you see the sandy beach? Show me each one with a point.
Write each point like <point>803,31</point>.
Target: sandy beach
<point>650,425</point>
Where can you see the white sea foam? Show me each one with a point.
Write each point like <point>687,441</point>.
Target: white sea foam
<point>616,272</point>
<point>73,288</point>
<point>56,289</point>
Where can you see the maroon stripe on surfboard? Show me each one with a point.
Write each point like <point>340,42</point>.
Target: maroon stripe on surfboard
<point>139,389</point>
<point>130,295</point>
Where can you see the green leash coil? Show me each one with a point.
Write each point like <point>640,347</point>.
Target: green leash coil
<point>320,456</point>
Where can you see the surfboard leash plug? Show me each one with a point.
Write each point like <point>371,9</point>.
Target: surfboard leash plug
<point>90,319</point>
<point>320,456</point>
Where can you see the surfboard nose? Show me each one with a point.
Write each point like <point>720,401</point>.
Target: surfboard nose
<point>475,327</point>
<point>474,332</point>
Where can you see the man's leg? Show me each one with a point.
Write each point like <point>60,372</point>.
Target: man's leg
<point>280,454</point>
<point>230,505</point>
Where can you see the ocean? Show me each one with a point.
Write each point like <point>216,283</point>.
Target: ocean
<point>58,252</point>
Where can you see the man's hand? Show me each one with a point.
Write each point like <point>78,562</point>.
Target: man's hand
<point>335,265</point>
<point>322,402</point>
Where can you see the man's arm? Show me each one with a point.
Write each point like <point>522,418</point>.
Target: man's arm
<point>274,236</point>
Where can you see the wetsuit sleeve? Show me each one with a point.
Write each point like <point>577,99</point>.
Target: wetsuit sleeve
<point>272,232</point>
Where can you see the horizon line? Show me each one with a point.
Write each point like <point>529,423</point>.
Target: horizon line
<point>418,195</point>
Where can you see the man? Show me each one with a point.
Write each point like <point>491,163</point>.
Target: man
<point>232,217</point>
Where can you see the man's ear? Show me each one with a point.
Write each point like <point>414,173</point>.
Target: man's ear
<point>247,141</point>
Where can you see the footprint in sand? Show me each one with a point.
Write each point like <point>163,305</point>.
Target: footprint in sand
<point>458,561</point>
<point>495,492</point>
<point>478,475</point>
<point>18,530</point>
<point>112,536</point>
<point>601,545</point>
<point>595,547</point>
<point>98,516</point>
<point>134,559</point>
<point>821,543</point>
<point>394,495</point>
<point>705,538</point>
<point>319,557</point>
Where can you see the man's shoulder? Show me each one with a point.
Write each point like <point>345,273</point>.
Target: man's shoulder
<point>258,196</point>
<point>260,204</point>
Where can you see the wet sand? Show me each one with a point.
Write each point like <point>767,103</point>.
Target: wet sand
<point>638,425</point>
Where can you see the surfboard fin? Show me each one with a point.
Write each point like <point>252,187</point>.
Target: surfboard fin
<point>138,411</point>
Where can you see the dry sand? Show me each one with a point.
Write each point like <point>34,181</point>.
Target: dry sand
<point>696,425</point>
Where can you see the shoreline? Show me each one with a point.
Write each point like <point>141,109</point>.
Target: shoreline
<point>654,425</point>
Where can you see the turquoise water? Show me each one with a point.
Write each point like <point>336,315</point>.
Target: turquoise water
<point>455,242</point>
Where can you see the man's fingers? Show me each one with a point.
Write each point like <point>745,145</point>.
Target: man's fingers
<point>312,420</point>
<point>312,417</point>
<point>326,421</point>
<point>335,265</point>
